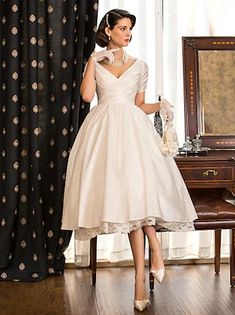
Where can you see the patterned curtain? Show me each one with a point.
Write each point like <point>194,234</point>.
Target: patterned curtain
<point>44,45</point>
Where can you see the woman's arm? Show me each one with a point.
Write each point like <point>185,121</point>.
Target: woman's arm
<point>88,84</point>
<point>148,108</point>
<point>165,108</point>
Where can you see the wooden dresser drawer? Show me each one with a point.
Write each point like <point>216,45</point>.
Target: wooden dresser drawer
<point>207,173</point>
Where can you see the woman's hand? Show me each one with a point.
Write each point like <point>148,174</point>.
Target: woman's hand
<point>166,110</point>
<point>104,54</point>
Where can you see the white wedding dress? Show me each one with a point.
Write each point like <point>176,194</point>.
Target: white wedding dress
<point>117,178</point>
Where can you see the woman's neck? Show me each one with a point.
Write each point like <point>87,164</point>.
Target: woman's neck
<point>117,54</point>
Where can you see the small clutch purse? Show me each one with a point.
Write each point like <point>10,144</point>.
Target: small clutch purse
<point>170,144</point>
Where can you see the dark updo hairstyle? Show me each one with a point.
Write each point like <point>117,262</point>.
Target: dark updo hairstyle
<point>110,20</point>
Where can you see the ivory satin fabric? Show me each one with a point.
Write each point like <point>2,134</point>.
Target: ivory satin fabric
<point>117,178</point>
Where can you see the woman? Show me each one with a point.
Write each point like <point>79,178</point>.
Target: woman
<point>117,178</point>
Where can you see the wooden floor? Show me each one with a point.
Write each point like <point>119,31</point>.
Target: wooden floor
<point>186,290</point>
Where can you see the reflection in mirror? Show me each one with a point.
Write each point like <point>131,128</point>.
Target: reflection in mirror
<point>217,92</point>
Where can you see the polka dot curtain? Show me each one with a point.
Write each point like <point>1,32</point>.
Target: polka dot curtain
<point>44,45</point>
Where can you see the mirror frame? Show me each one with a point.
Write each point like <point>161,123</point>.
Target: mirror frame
<point>191,46</point>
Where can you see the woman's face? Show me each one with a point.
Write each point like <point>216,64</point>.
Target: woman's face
<point>121,33</point>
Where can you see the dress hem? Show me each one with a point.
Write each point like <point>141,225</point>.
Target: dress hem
<point>83,234</point>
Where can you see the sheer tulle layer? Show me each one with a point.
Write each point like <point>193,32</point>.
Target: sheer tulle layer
<point>109,228</point>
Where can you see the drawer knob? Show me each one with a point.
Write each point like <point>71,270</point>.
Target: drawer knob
<point>208,172</point>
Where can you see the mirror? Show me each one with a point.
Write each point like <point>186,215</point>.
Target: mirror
<point>209,89</point>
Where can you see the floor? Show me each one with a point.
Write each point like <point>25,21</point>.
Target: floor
<point>186,290</point>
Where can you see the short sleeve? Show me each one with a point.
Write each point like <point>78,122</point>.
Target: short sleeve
<point>143,78</point>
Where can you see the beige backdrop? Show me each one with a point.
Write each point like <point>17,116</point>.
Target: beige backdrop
<point>217,92</point>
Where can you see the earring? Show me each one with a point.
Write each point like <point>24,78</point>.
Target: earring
<point>109,37</point>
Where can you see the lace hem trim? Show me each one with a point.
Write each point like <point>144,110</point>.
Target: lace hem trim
<point>83,234</point>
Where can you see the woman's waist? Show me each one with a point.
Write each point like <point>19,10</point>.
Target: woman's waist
<point>116,102</point>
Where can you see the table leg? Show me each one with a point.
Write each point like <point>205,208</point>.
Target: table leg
<point>232,257</point>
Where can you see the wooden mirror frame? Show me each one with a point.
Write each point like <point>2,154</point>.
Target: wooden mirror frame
<point>191,46</point>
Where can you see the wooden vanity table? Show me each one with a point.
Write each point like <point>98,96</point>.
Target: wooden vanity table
<point>216,169</point>
<point>209,99</point>
<point>209,179</point>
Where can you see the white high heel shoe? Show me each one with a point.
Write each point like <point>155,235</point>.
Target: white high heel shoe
<point>141,305</point>
<point>158,274</point>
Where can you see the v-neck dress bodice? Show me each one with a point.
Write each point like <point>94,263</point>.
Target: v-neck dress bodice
<point>117,179</point>
<point>121,89</point>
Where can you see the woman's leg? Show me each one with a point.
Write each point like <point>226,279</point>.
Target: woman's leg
<point>136,239</point>
<point>154,244</point>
